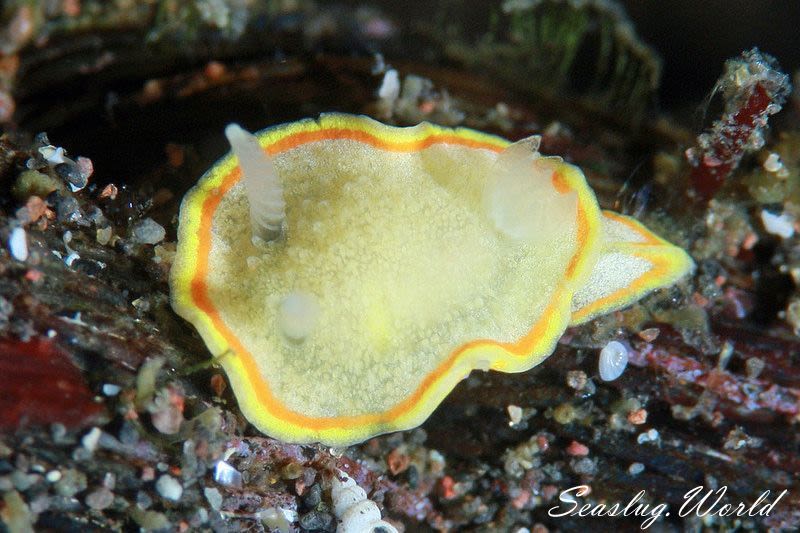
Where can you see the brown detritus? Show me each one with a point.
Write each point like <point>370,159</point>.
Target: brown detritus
<point>753,88</point>
<point>397,461</point>
<point>109,191</point>
<point>649,334</point>
<point>218,384</point>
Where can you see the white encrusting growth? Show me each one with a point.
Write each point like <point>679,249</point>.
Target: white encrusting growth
<point>264,189</point>
<point>356,513</point>
<point>613,360</point>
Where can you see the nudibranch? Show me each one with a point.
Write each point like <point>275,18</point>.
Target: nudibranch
<point>348,274</point>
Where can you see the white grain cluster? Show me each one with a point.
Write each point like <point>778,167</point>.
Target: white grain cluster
<point>264,189</point>
<point>355,512</point>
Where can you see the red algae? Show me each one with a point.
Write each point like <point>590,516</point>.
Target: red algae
<point>753,89</point>
<point>47,388</point>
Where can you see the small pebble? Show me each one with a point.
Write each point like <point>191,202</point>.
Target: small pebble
<point>166,410</point>
<point>128,434</point>
<point>40,503</point>
<point>54,155</point>
<point>577,379</point>
<point>148,473</point>
<point>71,258</point>
<point>169,488</point>
<point>23,481</point>
<point>148,231</point>
<point>781,225</point>
<point>53,476</point>
<point>34,183</point>
<point>110,191</point>
<point>109,481</point>
<point>201,516</point>
<point>313,496</point>
<point>67,208</point>
<point>773,163</point>
<point>214,497</point>
<point>109,389</point>
<point>635,469</point>
<point>85,166</point>
<point>90,440</point>
<point>649,334</point>
<point>6,308</point>
<point>315,520</point>
<point>17,515</point>
<point>58,431</point>
<point>637,417</point>
<point>225,474</point>
<point>753,367</point>
<point>72,482</point>
<point>648,436</point>
<point>151,520</point>
<point>100,499</point>
<point>71,174</point>
<point>143,500</point>
<point>565,413</point>
<point>18,244</point>
<point>514,414</point>
<point>577,449</point>
<point>104,235</point>
<point>292,471</point>
<point>278,518</point>
<point>584,466</point>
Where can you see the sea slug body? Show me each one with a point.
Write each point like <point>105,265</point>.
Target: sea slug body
<point>365,269</point>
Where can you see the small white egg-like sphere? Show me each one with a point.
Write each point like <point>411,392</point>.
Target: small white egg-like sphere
<point>613,360</point>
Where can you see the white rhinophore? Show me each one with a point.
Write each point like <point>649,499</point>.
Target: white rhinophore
<point>261,182</point>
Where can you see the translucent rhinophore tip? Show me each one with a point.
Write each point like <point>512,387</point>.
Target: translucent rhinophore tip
<point>235,132</point>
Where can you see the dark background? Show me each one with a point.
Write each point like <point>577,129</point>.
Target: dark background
<point>695,37</point>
